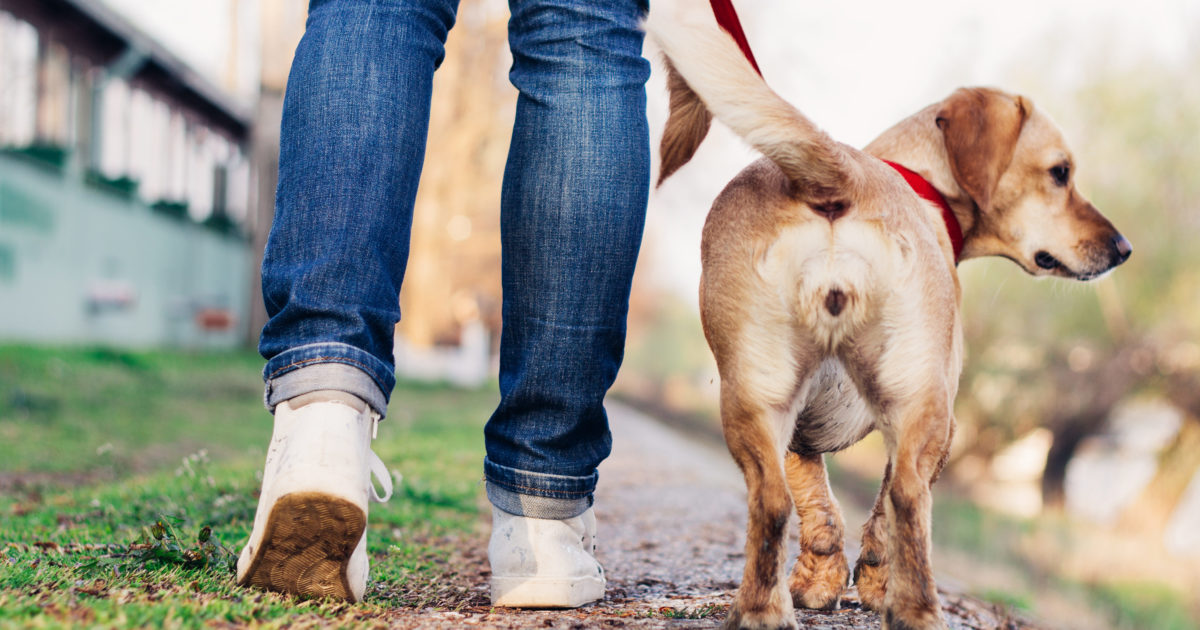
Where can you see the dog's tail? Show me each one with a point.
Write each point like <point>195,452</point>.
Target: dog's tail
<point>707,72</point>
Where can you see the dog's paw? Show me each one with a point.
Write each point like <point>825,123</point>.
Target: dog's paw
<point>913,620</point>
<point>817,581</point>
<point>870,576</point>
<point>760,620</point>
<point>774,614</point>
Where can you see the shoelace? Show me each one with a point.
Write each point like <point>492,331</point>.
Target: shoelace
<point>380,471</point>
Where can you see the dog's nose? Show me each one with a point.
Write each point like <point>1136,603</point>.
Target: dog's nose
<point>1121,248</point>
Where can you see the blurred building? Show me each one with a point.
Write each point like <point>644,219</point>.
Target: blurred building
<point>125,186</point>
<point>136,195</point>
<point>281,25</point>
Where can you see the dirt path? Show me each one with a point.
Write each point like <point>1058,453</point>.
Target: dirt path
<point>672,518</point>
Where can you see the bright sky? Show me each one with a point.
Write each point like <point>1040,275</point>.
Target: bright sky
<point>200,33</point>
<point>853,66</point>
<point>856,66</point>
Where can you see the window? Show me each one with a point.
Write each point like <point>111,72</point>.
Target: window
<point>18,66</point>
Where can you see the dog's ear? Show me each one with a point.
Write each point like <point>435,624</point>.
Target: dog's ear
<point>687,125</point>
<point>980,127</point>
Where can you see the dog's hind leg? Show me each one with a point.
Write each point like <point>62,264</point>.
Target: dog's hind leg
<point>919,446</point>
<point>821,571</point>
<point>762,600</point>
<point>870,571</point>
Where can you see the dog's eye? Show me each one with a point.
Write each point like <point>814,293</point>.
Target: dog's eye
<point>1061,174</point>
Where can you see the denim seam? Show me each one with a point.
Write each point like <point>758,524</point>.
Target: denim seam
<point>530,473</point>
<point>297,364</point>
<point>534,475</point>
<point>328,7</point>
<point>540,490</point>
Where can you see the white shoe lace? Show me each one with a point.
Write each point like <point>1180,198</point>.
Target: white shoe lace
<point>380,471</point>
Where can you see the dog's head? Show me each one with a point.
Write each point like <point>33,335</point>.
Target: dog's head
<point>1013,163</point>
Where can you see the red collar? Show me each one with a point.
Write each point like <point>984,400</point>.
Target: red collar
<point>926,190</point>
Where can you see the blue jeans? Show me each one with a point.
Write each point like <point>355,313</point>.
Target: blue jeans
<point>573,207</point>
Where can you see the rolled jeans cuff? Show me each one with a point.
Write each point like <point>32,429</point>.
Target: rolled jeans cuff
<point>324,366</point>
<point>538,495</point>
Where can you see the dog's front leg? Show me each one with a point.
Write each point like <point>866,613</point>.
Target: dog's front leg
<point>763,601</point>
<point>920,441</point>
<point>819,577</point>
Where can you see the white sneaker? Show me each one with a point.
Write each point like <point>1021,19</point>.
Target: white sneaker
<point>544,563</point>
<point>309,535</point>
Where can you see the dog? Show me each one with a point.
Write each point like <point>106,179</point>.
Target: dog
<point>830,299</point>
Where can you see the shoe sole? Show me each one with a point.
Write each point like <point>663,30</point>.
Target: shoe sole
<point>306,546</point>
<point>533,592</point>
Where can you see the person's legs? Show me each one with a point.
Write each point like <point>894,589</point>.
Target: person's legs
<point>355,118</point>
<point>573,208</point>
<point>572,212</point>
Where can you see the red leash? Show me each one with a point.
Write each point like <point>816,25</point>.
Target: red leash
<point>728,19</point>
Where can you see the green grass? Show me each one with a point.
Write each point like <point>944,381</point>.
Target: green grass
<point>705,611</point>
<point>996,539</point>
<point>1021,601</point>
<point>66,413</point>
<point>991,537</point>
<point>113,463</point>
<point>1144,605</point>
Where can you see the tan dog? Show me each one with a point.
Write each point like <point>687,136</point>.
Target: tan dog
<point>830,299</point>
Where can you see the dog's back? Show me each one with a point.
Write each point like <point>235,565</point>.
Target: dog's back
<point>820,201</point>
